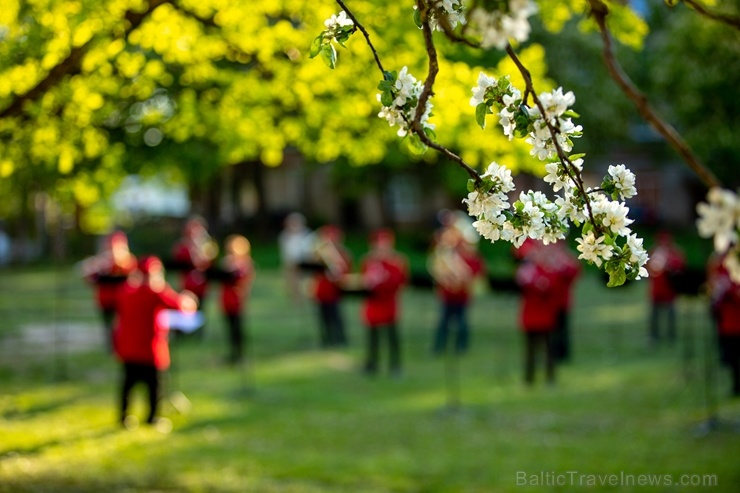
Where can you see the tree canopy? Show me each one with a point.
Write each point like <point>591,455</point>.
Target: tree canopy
<point>93,90</point>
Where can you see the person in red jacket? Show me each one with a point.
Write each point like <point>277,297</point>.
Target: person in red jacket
<point>140,338</point>
<point>239,269</point>
<point>539,309</point>
<point>565,270</point>
<point>454,264</point>
<point>336,263</point>
<point>194,253</point>
<point>384,271</point>
<point>108,270</point>
<point>666,260</point>
<point>725,299</point>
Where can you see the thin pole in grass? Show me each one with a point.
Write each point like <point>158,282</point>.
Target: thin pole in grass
<point>246,364</point>
<point>711,422</point>
<point>60,329</point>
<point>453,381</point>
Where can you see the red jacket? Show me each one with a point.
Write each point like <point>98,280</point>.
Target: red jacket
<point>726,302</point>
<point>664,260</point>
<point>107,292</point>
<point>234,291</point>
<point>567,270</point>
<point>141,336</point>
<point>539,302</point>
<point>384,275</point>
<point>194,277</point>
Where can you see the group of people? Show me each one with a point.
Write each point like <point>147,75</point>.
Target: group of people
<point>454,263</point>
<point>134,298</point>
<point>382,274</point>
<point>545,276</point>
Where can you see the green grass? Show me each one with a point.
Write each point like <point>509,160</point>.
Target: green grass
<point>298,419</point>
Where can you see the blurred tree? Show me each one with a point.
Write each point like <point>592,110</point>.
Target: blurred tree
<point>92,90</point>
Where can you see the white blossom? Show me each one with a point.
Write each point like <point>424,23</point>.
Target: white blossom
<point>452,9</point>
<point>720,218</point>
<point>624,180</point>
<point>479,92</point>
<point>593,249</point>
<point>500,176</point>
<point>336,21</point>
<point>638,255</point>
<point>498,26</point>
<point>732,263</point>
<point>406,90</point>
<point>556,103</point>
<point>568,209</point>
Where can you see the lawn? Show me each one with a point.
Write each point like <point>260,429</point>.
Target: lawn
<point>299,419</point>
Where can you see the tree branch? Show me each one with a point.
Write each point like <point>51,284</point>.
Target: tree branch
<point>599,11</point>
<point>71,65</point>
<point>732,21</point>
<point>570,168</point>
<point>427,92</point>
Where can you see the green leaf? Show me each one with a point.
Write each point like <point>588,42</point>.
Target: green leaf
<point>391,76</point>
<point>416,145</point>
<point>571,114</point>
<point>417,18</point>
<point>329,55</point>
<point>580,155</point>
<point>430,133</point>
<point>385,85</point>
<point>587,228</point>
<point>316,45</point>
<point>471,185</point>
<point>616,278</point>
<point>480,114</point>
<point>386,98</point>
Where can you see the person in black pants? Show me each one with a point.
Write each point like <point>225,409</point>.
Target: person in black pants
<point>384,271</point>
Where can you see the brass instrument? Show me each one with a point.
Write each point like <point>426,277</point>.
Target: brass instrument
<point>330,255</point>
<point>449,269</point>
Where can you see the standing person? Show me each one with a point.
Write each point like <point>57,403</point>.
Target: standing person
<point>194,253</point>
<point>336,263</point>
<point>239,271</point>
<point>140,337</point>
<point>565,268</point>
<point>384,271</point>
<point>539,309</point>
<point>454,264</point>
<point>293,242</point>
<point>725,299</point>
<point>666,260</point>
<point>108,270</point>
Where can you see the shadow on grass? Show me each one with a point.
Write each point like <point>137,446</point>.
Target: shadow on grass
<point>67,441</point>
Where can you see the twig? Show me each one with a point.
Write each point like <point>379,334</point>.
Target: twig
<point>599,13</point>
<point>732,21</point>
<point>364,33</point>
<point>415,125</point>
